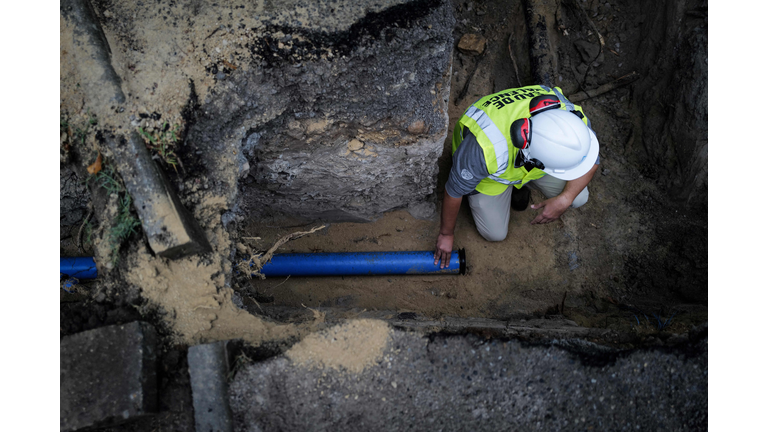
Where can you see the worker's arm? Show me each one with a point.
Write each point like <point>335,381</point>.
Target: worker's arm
<point>556,206</point>
<point>444,244</point>
<point>468,170</point>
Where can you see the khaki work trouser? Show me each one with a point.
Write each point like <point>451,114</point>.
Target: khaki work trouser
<point>491,213</point>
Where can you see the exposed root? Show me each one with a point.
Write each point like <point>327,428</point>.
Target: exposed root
<point>80,231</point>
<point>605,88</point>
<point>600,39</point>
<point>257,261</point>
<point>514,63</point>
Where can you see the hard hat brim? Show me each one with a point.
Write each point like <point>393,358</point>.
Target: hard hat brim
<point>586,164</point>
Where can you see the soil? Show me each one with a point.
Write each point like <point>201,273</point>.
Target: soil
<point>352,346</point>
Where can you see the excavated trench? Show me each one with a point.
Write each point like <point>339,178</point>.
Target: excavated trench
<point>346,123</point>
<point>635,256</point>
<point>322,155</point>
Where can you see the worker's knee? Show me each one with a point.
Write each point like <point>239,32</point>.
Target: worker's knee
<point>494,235</point>
<point>581,199</point>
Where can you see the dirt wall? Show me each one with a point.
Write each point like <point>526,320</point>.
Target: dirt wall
<point>673,96</point>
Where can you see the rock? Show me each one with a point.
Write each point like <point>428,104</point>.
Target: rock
<point>108,376</point>
<point>422,210</point>
<point>244,168</point>
<point>581,69</point>
<point>471,43</point>
<point>588,51</point>
<point>417,127</point>
<point>354,145</point>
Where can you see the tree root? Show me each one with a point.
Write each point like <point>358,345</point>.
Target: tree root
<point>605,88</point>
<point>257,261</point>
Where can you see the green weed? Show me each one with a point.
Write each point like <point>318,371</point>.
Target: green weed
<point>241,361</point>
<point>78,132</point>
<point>107,179</point>
<point>163,142</point>
<point>125,223</point>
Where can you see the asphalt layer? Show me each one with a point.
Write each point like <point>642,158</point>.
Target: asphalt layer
<point>459,383</point>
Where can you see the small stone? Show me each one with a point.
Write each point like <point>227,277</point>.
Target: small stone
<point>422,210</point>
<point>472,43</point>
<point>605,172</point>
<point>220,76</point>
<point>581,69</point>
<point>417,127</point>
<point>588,50</point>
<point>354,145</point>
<point>244,169</point>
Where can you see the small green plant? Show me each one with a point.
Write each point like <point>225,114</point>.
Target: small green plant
<point>79,133</point>
<point>125,223</point>
<point>107,179</point>
<point>163,142</point>
<point>241,361</point>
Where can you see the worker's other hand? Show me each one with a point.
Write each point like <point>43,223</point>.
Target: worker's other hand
<point>443,249</point>
<point>553,208</point>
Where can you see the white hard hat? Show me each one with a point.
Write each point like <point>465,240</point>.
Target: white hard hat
<point>562,143</point>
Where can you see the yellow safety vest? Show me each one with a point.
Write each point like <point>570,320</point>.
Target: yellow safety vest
<point>489,120</point>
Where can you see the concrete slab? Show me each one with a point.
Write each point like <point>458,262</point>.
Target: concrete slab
<point>108,376</point>
<point>208,372</point>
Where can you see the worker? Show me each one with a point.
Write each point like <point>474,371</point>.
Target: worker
<point>525,137</point>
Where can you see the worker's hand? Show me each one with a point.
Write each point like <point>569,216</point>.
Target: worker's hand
<point>443,249</point>
<point>553,208</point>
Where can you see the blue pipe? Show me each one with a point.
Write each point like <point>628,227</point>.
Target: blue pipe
<point>362,263</point>
<point>80,268</point>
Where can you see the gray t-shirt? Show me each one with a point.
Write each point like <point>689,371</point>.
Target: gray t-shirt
<point>469,167</point>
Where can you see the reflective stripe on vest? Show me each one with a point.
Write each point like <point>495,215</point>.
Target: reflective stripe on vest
<point>504,181</point>
<point>568,105</point>
<point>494,134</point>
